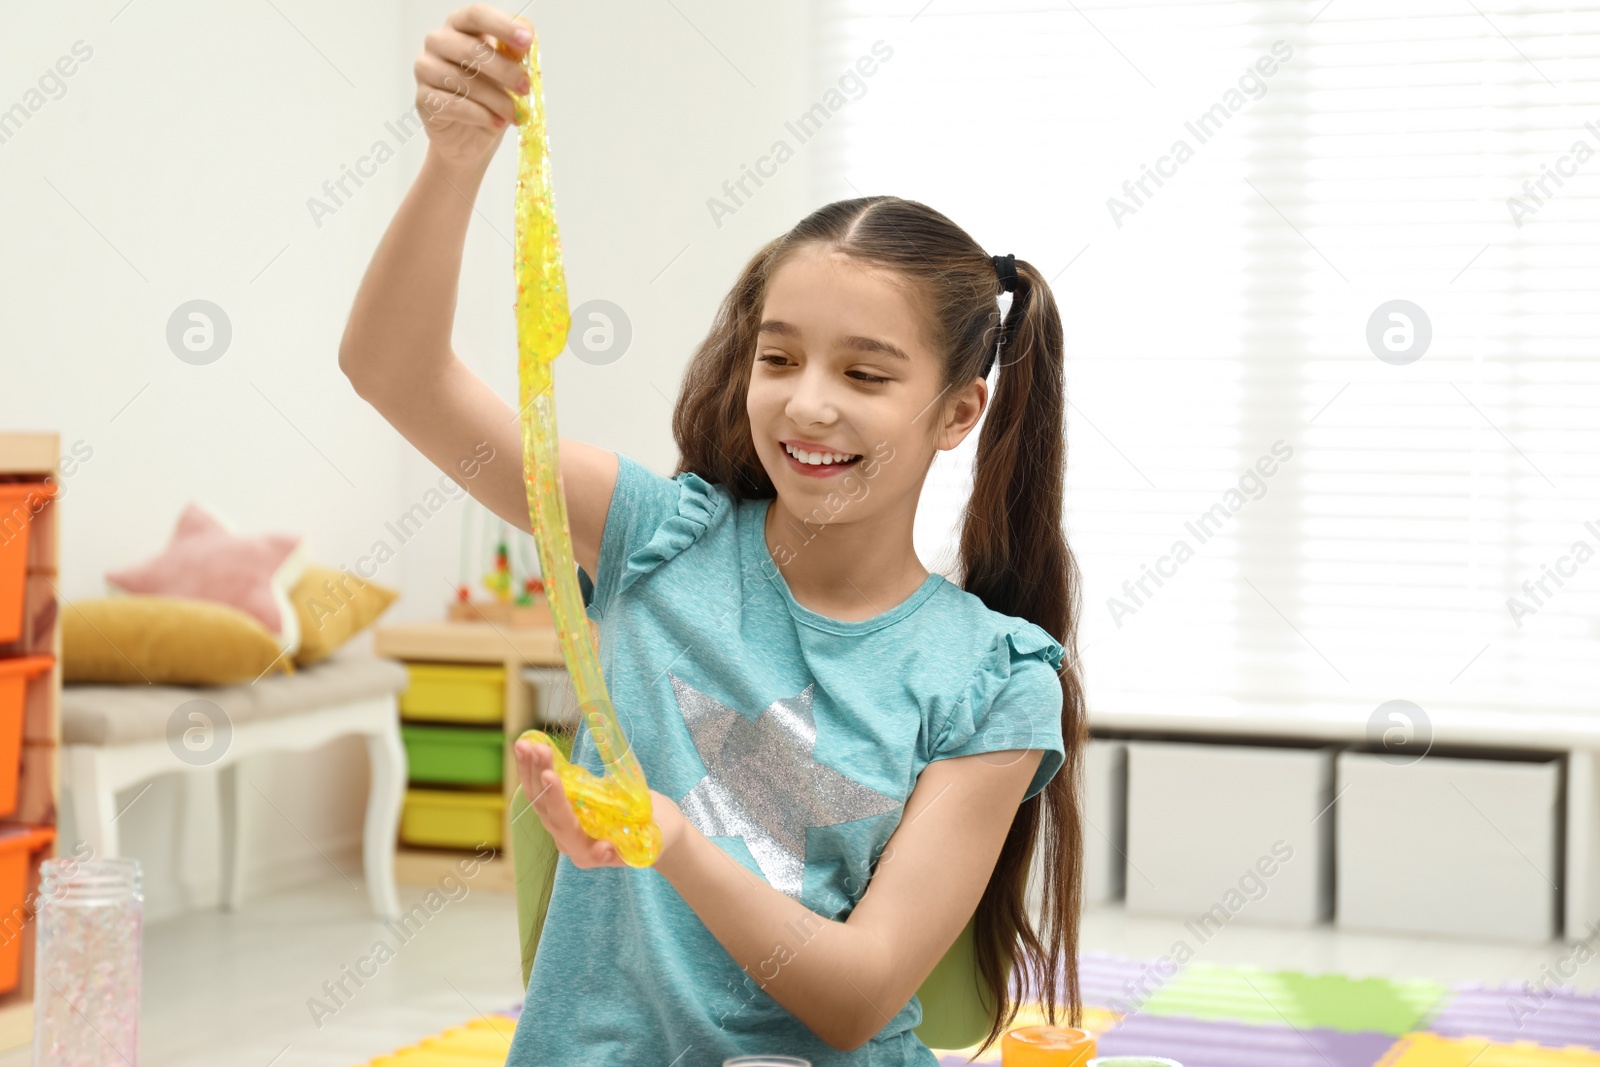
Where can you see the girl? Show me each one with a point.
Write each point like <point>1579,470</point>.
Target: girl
<point>851,756</point>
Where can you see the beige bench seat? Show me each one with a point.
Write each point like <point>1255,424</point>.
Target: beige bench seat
<point>116,736</point>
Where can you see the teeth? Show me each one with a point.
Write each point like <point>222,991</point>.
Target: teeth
<point>817,459</point>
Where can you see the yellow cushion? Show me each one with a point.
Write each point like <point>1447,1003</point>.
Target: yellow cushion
<point>333,607</point>
<point>164,641</point>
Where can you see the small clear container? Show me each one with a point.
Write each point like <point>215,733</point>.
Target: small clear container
<point>89,926</point>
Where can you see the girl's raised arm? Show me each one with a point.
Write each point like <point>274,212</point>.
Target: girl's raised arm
<point>396,348</point>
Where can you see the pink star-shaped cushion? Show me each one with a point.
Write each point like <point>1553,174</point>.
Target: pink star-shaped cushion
<point>205,561</point>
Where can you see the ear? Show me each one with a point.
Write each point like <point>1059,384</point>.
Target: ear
<point>961,412</point>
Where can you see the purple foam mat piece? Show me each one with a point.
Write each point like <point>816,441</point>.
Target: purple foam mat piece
<point>513,1012</point>
<point>1551,1016</point>
<point>1103,978</point>
<point>1204,1043</point>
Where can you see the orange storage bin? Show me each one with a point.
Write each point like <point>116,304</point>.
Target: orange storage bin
<point>15,671</point>
<point>17,503</point>
<point>17,846</point>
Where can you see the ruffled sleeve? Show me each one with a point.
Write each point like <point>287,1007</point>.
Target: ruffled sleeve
<point>1013,702</point>
<point>650,520</point>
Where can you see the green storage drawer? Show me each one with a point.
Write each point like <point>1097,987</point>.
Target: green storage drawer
<point>454,755</point>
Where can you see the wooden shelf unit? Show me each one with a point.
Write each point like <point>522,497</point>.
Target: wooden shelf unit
<point>35,457</point>
<point>482,644</point>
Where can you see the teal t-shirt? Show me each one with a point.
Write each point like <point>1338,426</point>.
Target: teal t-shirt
<point>790,739</point>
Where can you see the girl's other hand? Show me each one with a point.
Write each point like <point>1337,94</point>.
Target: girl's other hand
<point>463,82</point>
<point>542,786</point>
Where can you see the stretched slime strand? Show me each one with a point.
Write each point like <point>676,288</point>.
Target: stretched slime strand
<point>615,807</point>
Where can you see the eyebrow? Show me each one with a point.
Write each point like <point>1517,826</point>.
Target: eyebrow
<point>856,344</point>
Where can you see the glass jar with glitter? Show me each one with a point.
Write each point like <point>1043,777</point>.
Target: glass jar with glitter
<point>86,976</point>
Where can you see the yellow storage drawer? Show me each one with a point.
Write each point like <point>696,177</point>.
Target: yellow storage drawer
<point>454,692</point>
<point>452,819</point>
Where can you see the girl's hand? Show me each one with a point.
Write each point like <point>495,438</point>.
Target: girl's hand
<point>542,786</point>
<point>463,81</point>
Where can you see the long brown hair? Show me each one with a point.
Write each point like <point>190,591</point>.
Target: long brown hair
<point>1014,553</point>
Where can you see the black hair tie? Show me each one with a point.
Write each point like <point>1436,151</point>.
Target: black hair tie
<point>1006,267</point>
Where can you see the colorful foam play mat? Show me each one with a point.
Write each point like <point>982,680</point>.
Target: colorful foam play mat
<point>1204,1015</point>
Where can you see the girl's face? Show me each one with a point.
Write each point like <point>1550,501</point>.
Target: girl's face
<point>843,391</point>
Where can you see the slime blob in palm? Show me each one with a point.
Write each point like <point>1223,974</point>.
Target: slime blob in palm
<point>615,807</point>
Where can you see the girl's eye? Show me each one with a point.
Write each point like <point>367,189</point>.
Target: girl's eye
<point>778,359</point>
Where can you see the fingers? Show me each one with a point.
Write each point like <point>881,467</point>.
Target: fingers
<point>462,77</point>
<point>522,751</point>
<point>449,92</point>
<point>547,797</point>
<point>483,19</point>
<point>478,59</point>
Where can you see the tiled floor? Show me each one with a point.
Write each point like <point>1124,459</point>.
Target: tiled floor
<point>233,990</point>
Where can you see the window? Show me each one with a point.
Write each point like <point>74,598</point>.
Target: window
<point>1330,274</point>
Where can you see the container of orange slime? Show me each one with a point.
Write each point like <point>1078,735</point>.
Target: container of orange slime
<point>1046,1046</point>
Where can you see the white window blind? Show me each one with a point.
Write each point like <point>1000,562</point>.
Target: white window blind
<point>1334,158</point>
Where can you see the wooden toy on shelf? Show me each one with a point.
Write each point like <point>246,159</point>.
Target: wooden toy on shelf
<point>528,608</point>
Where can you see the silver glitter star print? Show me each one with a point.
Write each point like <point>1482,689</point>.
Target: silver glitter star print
<point>762,785</point>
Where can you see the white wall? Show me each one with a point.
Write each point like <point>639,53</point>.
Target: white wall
<point>177,163</point>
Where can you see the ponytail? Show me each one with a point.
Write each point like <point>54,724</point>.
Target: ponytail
<point>1015,558</point>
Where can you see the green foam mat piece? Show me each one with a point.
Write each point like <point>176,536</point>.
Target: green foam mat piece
<point>1287,998</point>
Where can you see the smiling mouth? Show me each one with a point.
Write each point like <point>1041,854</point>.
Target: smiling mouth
<point>817,462</point>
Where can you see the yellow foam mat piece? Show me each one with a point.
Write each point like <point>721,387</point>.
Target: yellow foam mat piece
<point>421,1057</point>
<point>1431,1050</point>
<point>1095,1020</point>
<point>478,1043</point>
<point>487,1040</point>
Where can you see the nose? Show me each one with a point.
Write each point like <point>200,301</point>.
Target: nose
<point>811,403</point>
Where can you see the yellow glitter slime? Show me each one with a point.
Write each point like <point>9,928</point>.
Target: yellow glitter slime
<point>615,807</point>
